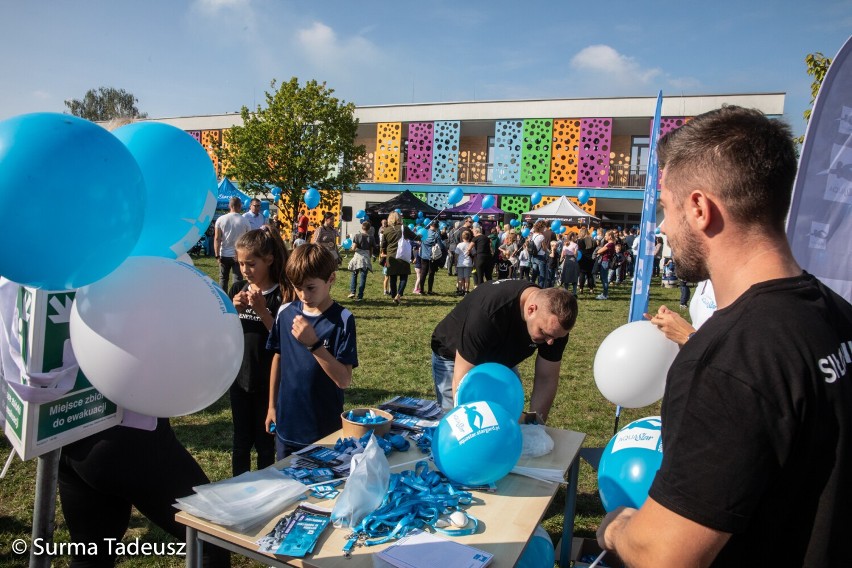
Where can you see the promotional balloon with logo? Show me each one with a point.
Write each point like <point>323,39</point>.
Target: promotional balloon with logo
<point>455,195</point>
<point>629,463</point>
<point>347,244</point>
<point>157,336</point>
<point>174,164</point>
<point>645,352</point>
<point>477,443</point>
<point>539,552</point>
<point>487,201</point>
<point>583,196</point>
<point>495,383</point>
<point>535,198</point>
<point>312,198</point>
<point>91,184</point>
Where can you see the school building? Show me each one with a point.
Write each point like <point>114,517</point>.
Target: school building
<point>509,149</point>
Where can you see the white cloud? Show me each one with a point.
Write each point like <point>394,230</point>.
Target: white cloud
<point>214,6</point>
<point>327,51</point>
<point>607,61</point>
<point>623,73</point>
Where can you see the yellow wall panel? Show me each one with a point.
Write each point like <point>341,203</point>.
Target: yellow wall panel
<point>388,158</point>
<point>565,154</point>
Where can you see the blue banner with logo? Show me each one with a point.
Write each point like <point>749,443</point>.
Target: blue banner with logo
<point>819,226</point>
<point>643,267</point>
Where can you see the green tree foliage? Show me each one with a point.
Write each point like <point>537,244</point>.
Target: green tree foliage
<point>304,138</point>
<point>105,103</point>
<point>817,68</point>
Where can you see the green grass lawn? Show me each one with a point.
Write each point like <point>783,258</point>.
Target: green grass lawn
<point>394,356</point>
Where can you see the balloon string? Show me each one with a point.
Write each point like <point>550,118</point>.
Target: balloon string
<point>598,559</point>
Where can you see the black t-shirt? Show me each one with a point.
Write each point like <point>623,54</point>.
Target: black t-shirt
<point>487,326</point>
<point>482,246</point>
<point>253,375</point>
<point>757,429</point>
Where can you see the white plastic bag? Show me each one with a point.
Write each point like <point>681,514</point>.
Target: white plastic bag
<point>537,442</point>
<point>244,501</point>
<point>369,475</point>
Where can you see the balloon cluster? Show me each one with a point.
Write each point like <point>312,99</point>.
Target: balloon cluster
<point>130,203</point>
<point>479,441</point>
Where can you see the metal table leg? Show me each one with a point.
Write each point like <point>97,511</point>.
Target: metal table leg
<point>570,509</point>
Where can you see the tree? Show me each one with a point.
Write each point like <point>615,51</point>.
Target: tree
<point>304,138</point>
<point>105,103</point>
<point>817,68</point>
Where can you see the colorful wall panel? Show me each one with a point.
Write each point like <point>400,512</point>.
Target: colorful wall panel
<point>473,158</point>
<point>565,153</point>
<point>667,124</point>
<point>315,215</point>
<point>445,155</point>
<point>595,135</point>
<point>211,139</point>
<point>619,161</point>
<point>535,154</point>
<point>508,138</point>
<point>436,200</point>
<point>387,160</point>
<point>369,158</point>
<point>418,165</point>
<point>516,204</point>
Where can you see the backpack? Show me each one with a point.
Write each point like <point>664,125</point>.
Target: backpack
<point>437,252</point>
<point>532,250</point>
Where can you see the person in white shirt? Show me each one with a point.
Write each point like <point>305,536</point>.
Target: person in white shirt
<point>229,228</point>
<point>253,215</point>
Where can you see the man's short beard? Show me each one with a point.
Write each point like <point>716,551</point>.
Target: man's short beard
<point>690,257</point>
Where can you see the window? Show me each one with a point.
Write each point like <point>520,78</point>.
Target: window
<point>489,172</point>
<point>640,151</point>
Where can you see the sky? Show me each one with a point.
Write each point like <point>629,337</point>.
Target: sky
<point>199,57</point>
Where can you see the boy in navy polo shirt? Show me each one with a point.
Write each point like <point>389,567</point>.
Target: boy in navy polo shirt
<point>315,351</point>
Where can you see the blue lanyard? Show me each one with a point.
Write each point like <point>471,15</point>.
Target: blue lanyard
<point>415,499</point>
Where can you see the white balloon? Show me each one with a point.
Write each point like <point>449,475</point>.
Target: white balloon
<point>157,336</point>
<point>631,364</point>
<point>186,259</point>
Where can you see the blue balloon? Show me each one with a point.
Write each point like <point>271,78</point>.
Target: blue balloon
<point>629,463</point>
<point>347,244</point>
<point>312,198</point>
<point>398,211</point>
<point>487,201</point>
<point>475,218</point>
<point>411,226</point>
<point>562,229</point>
<point>420,214</point>
<point>579,254</point>
<point>176,165</point>
<point>360,214</point>
<point>525,232</point>
<point>455,195</point>
<point>477,443</point>
<point>495,383</point>
<point>539,552</point>
<point>266,213</point>
<point>91,183</point>
<point>535,198</point>
<point>555,224</point>
<point>657,231</point>
<point>583,196</point>
<point>515,223</point>
<point>442,225</point>
<point>423,232</point>
<point>276,193</point>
